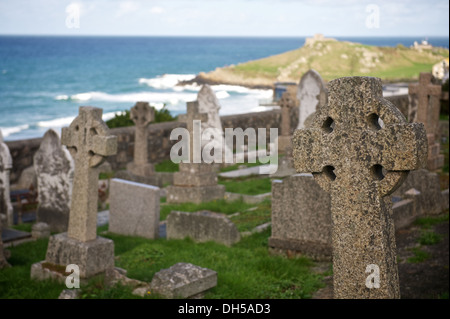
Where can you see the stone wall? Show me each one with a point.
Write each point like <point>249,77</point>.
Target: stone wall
<point>159,145</point>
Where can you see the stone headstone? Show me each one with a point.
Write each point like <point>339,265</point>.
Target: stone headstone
<point>209,104</point>
<point>423,186</point>
<point>141,114</point>
<point>311,93</point>
<point>194,182</point>
<point>202,226</point>
<point>6,209</point>
<point>54,169</point>
<point>287,102</point>
<point>89,142</point>
<point>301,217</point>
<point>424,107</point>
<point>3,262</point>
<point>425,103</point>
<point>360,160</point>
<point>134,209</point>
<point>183,280</point>
<point>40,230</point>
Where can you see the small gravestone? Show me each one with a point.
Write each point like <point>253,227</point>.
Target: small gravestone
<point>311,94</point>
<point>183,280</point>
<point>89,142</point>
<point>141,114</point>
<point>360,149</point>
<point>424,107</point>
<point>40,230</point>
<point>301,218</point>
<point>424,187</point>
<point>6,209</point>
<point>134,209</point>
<point>194,182</point>
<point>54,169</point>
<point>201,227</point>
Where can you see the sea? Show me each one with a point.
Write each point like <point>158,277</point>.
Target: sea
<point>45,79</point>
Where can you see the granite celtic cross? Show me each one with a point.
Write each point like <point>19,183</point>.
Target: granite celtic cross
<point>192,119</point>
<point>141,114</point>
<point>88,141</point>
<point>428,103</point>
<point>360,149</point>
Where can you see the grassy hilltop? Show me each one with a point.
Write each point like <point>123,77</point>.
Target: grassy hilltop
<point>332,59</point>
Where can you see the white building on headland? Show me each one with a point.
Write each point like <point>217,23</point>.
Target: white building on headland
<point>424,45</point>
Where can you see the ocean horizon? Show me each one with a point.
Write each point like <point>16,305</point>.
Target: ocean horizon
<point>44,79</point>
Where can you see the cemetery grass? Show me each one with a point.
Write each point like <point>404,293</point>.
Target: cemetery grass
<point>245,216</point>
<point>248,185</point>
<point>245,270</point>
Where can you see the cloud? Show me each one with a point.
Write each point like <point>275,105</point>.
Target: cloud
<point>156,10</point>
<point>127,7</point>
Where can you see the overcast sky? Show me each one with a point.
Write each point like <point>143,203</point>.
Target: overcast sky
<point>226,17</point>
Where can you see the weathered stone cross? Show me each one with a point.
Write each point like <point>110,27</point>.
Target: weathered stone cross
<point>89,143</point>
<point>193,114</point>
<point>360,160</point>
<point>141,114</point>
<point>428,105</point>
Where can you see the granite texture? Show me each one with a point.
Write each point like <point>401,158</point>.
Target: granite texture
<point>93,257</point>
<point>360,149</point>
<point>134,209</point>
<point>89,142</point>
<point>301,217</point>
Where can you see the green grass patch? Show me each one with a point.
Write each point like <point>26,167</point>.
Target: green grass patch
<point>429,221</point>
<point>15,281</point>
<point>428,237</point>
<point>218,206</point>
<point>245,270</point>
<point>249,219</point>
<point>247,185</point>
<point>419,256</point>
<point>167,166</point>
<point>26,227</point>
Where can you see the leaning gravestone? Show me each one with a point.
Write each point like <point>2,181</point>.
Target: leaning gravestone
<point>301,218</point>
<point>89,142</point>
<point>195,182</point>
<point>202,226</point>
<point>141,114</point>
<point>54,169</point>
<point>360,161</point>
<point>134,209</point>
<point>183,280</point>
<point>6,209</point>
<point>424,107</point>
<point>311,93</point>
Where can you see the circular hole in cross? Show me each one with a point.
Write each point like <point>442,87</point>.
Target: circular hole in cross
<point>375,122</point>
<point>378,172</point>
<point>328,125</point>
<point>329,172</point>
